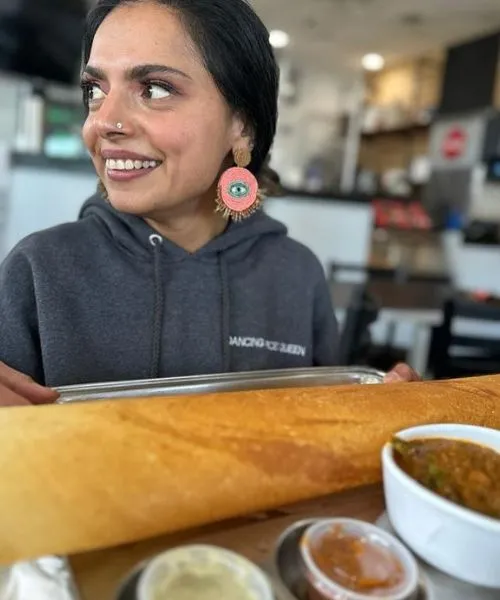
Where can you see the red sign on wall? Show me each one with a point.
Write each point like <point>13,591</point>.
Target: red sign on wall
<point>454,143</point>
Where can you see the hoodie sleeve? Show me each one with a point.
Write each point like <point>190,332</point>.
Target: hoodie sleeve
<point>19,335</point>
<point>326,331</point>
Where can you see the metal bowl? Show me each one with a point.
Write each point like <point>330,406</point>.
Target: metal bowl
<point>290,571</point>
<point>128,589</point>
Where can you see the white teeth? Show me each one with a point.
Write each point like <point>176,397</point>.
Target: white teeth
<point>113,164</point>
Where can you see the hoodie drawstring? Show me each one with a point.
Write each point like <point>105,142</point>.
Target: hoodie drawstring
<point>156,241</point>
<point>225,304</point>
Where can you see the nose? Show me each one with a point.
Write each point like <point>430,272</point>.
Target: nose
<point>110,120</point>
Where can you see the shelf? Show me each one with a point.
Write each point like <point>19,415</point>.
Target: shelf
<point>404,130</point>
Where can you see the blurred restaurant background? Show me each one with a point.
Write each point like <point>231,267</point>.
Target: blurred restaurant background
<point>388,150</point>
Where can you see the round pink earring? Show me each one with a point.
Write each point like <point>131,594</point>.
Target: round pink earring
<point>238,194</point>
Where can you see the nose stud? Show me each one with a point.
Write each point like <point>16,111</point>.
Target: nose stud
<point>119,125</point>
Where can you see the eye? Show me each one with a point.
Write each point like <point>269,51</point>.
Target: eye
<point>238,189</point>
<point>91,93</point>
<point>95,93</point>
<point>157,91</point>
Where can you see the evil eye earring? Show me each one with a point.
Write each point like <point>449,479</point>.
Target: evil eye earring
<point>238,194</point>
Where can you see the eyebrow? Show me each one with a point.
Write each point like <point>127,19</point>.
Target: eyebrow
<point>137,72</point>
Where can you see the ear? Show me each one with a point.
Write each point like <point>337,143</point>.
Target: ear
<point>241,133</point>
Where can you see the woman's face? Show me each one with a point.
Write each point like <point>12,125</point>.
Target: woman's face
<point>145,73</point>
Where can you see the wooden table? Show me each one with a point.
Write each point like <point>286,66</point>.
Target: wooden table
<point>98,574</point>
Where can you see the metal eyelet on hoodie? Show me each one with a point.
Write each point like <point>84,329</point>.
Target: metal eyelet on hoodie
<point>155,239</point>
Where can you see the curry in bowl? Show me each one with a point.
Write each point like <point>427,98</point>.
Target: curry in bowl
<point>463,472</point>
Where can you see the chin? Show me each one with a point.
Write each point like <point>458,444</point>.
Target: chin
<point>141,204</point>
<point>130,203</point>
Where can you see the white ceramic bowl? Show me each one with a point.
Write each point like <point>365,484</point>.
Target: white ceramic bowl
<point>455,540</point>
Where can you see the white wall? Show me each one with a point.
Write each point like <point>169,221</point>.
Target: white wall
<point>335,231</point>
<point>472,267</point>
<point>309,125</point>
<point>11,91</point>
<point>42,198</point>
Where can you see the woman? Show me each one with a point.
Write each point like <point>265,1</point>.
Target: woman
<point>170,271</point>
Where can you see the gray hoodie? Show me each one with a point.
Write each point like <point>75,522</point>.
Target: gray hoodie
<point>105,298</point>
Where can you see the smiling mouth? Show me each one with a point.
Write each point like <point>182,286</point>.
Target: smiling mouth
<point>130,165</point>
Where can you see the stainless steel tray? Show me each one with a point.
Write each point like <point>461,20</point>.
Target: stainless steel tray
<point>286,573</point>
<point>227,382</point>
<point>284,568</point>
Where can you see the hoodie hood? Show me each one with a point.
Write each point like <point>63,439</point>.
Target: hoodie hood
<point>133,234</point>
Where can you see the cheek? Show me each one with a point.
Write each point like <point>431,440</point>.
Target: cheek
<point>204,154</point>
<point>193,143</point>
<point>171,136</point>
<point>89,135</point>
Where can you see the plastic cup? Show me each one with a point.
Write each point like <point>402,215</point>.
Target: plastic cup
<point>323,587</point>
<point>202,560</point>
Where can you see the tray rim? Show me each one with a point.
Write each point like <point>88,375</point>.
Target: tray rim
<point>217,382</point>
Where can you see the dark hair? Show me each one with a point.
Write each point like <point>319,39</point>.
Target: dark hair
<point>234,44</point>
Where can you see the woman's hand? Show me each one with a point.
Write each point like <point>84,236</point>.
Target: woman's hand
<point>400,373</point>
<point>17,389</point>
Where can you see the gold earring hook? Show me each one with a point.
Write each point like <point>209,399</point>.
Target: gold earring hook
<point>242,157</point>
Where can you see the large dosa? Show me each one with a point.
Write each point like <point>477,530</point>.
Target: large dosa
<point>88,476</point>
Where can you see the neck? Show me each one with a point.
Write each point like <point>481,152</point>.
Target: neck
<point>189,227</point>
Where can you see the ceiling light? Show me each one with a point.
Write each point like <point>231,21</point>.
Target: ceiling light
<point>279,39</point>
<point>373,62</point>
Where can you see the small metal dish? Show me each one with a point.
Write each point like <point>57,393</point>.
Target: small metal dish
<point>289,569</point>
<point>128,589</point>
